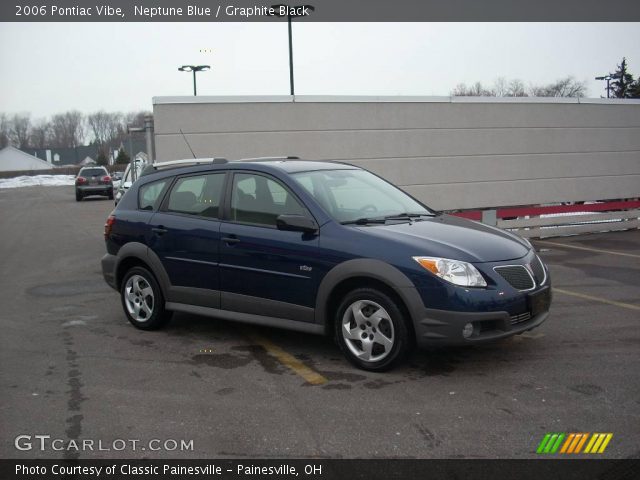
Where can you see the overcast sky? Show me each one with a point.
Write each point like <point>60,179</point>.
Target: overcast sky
<point>54,67</point>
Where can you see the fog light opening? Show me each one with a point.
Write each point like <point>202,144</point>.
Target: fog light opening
<point>467,330</point>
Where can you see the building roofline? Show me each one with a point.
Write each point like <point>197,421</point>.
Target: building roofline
<point>31,157</point>
<point>382,99</point>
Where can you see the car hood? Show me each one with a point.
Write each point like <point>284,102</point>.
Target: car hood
<point>452,237</point>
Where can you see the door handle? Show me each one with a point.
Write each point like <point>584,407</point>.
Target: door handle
<point>230,240</point>
<point>159,230</point>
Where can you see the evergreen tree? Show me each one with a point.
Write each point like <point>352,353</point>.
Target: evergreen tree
<point>634,89</point>
<point>102,158</point>
<point>122,157</point>
<point>621,86</point>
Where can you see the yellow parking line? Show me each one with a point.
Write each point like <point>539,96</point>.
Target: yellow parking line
<point>288,360</point>
<point>597,299</point>
<point>598,250</point>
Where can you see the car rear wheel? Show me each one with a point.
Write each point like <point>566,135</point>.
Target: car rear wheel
<point>78,196</point>
<point>110,194</point>
<point>371,330</point>
<point>142,300</point>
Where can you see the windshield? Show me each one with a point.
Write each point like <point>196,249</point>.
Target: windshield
<point>352,195</point>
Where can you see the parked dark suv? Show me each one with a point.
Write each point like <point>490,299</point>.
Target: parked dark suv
<point>318,247</point>
<point>93,181</point>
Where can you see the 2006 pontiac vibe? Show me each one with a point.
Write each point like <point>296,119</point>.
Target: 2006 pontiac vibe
<point>319,247</point>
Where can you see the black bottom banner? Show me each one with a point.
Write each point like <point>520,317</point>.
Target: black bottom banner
<point>312,469</point>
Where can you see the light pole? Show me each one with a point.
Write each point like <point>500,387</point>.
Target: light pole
<point>608,78</point>
<point>195,69</point>
<point>290,12</point>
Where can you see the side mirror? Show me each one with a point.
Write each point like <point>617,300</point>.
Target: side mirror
<point>126,185</point>
<point>296,223</point>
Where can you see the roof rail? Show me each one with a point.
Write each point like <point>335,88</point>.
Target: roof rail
<point>192,162</point>
<point>189,161</point>
<point>266,159</point>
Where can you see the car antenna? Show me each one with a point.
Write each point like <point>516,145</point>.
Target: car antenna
<point>187,142</point>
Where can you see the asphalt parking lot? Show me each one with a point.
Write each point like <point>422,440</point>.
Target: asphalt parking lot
<point>73,368</point>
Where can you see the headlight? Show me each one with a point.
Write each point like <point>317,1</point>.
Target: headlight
<point>453,271</point>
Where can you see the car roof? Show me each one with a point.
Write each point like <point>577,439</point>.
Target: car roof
<point>293,165</point>
<point>265,164</point>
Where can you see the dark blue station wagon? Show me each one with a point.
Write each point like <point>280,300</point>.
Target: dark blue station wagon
<point>319,247</point>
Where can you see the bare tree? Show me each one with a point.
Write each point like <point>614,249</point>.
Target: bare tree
<point>565,87</point>
<point>5,129</point>
<point>20,130</point>
<point>136,118</point>
<point>475,90</point>
<point>504,88</point>
<point>104,126</point>
<point>106,129</point>
<point>40,134</point>
<point>516,89</point>
<point>67,129</point>
<point>501,87</point>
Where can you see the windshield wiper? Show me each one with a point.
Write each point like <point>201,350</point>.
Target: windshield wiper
<point>407,216</point>
<point>364,221</point>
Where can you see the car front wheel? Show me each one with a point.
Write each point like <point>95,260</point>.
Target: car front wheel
<point>142,300</point>
<point>371,330</point>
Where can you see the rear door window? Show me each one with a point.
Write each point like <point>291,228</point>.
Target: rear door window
<point>197,195</point>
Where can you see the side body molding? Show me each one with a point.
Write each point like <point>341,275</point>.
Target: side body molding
<point>371,268</point>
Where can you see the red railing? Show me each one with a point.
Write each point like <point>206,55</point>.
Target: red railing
<point>537,210</point>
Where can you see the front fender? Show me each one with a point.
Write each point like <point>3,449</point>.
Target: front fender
<point>370,268</point>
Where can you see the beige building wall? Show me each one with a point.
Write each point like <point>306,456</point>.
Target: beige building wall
<point>450,152</point>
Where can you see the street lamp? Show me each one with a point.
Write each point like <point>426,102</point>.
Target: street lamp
<point>608,78</point>
<point>195,69</point>
<point>290,12</point>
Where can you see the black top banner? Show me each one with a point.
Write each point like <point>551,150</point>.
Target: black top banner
<point>322,11</point>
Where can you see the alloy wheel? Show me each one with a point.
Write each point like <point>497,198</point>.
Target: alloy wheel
<point>368,331</point>
<point>138,298</point>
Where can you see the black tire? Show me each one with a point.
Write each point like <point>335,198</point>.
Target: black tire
<point>78,196</point>
<point>391,325</point>
<point>152,315</point>
<point>110,195</point>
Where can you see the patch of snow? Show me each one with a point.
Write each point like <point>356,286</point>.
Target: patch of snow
<point>42,180</point>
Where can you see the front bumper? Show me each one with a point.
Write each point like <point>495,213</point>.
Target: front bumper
<point>443,327</point>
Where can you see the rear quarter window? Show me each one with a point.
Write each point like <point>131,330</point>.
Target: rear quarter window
<point>150,194</point>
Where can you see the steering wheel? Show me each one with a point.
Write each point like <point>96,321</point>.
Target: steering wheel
<point>369,208</point>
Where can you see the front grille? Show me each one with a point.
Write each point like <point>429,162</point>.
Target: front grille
<point>517,276</point>
<point>523,317</point>
<point>538,270</point>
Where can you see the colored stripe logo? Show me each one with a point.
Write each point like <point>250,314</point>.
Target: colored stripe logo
<point>572,443</point>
